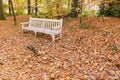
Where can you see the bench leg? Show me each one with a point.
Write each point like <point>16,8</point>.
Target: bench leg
<point>22,30</point>
<point>53,38</point>
<point>35,34</point>
<point>60,35</point>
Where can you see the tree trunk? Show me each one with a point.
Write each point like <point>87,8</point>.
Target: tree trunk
<point>36,8</point>
<point>2,17</point>
<point>57,7</point>
<point>29,6</point>
<point>80,11</point>
<point>15,23</point>
<point>75,5</point>
<point>9,7</point>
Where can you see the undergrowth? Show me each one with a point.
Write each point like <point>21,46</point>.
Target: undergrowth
<point>83,25</point>
<point>113,48</point>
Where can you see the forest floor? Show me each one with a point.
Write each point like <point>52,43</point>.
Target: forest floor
<point>82,54</point>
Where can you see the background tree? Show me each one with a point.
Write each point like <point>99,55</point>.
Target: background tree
<point>36,7</point>
<point>2,17</point>
<point>11,4</point>
<point>110,8</point>
<point>49,9</point>
<point>74,7</point>
<point>80,2</point>
<point>69,5</point>
<point>19,6</point>
<point>9,7</point>
<point>29,6</point>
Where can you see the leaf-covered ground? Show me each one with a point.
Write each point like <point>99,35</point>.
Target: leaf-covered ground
<point>82,54</point>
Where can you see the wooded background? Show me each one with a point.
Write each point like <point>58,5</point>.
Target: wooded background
<point>60,8</point>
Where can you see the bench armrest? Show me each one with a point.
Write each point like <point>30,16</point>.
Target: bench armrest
<point>56,27</point>
<point>24,23</point>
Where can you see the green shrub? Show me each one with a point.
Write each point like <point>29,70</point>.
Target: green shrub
<point>114,48</point>
<point>85,13</point>
<point>20,12</point>
<point>64,21</point>
<point>110,8</point>
<point>5,6</point>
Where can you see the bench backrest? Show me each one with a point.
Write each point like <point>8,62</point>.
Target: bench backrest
<point>35,22</point>
<point>45,23</point>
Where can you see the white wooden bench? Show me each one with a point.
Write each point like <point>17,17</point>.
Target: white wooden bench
<point>47,26</point>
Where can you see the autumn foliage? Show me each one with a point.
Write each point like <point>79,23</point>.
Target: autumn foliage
<point>82,54</point>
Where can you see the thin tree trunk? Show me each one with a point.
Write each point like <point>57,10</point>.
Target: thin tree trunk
<point>9,7</point>
<point>80,12</point>
<point>57,8</point>
<point>29,7</point>
<point>2,17</point>
<point>36,8</point>
<point>15,22</point>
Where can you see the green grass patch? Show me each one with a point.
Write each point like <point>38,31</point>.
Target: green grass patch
<point>70,27</point>
<point>113,48</point>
